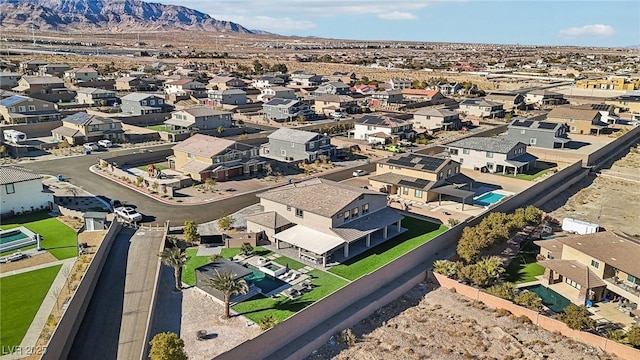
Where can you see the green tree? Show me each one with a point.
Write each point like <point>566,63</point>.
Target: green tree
<point>220,130</point>
<point>301,119</point>
<point>633,336</point>
<point>530,300</point>
<point>257,67</point>
<point>577,317</point>
<point>533,215</point>
<point>279,67</point>
<point>209,183</point>
<point>167,346</point>
<point>3,150</point>
<point>225,281</point>
<point>176,258</point>
<point>505,291</point>
<point>267,322</point>
<point>226,222</point>
<point>491,265</point>
<point>447,268</point>
<point>155,186</point>
<point>190,231</point>
<point>215,257</point>
<point>246,249</point>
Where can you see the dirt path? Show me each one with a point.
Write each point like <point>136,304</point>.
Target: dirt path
<point>443,325</point>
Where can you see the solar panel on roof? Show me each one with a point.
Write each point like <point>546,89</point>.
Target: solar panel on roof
<point>547,125</point>
<point>523,123</point>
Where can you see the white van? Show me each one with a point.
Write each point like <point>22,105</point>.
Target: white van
<point>105,143</point>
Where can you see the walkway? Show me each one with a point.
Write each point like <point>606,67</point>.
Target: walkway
<point>36,267</point>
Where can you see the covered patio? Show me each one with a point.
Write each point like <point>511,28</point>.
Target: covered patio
<point>455,191</point>
<point>588,286</point>
<point>519,164</point>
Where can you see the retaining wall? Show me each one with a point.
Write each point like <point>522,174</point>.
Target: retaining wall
<point>61,341</point>
<point>32,130</point>
<point>141,158</point>
<point>545,322</point>
<point>620,144</point>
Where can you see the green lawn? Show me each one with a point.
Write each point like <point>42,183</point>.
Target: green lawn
<point>159,128</point>
<point>283,307</point>
<point>188,272</point>
<point>57,238</point>
<point>20,299</point>
<point>158,166</point>
<point>294,265</point>
<point>532,174</point>
<point>524,268</point>
<point>418,232</point>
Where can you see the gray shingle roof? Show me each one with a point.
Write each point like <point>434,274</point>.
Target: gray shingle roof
<point>82,118</point>
<point>16,174</point>
<point>203,145</point>
<point>436,112</point>
<point>269,219</point>
<point>497,145</point>
<point>296,136</point>
<point>317,196</point>
<point>204,111</point>
<point>43,80</point>
<point>139,96</point>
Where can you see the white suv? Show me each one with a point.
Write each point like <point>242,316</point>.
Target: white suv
<point>91,146</point>
<point>105,143</point>
<point>128,213</point>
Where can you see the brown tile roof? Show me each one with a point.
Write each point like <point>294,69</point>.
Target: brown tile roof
<point>420,92</point>
<point>552,245</point>
<point>16,174</point>
<point>203,145</point>
<point>269,219</point>
<point>608,247</point>
<point>317,196</point>
<point>565,113</point>
<point>335,98</point>
<point>575,271</point>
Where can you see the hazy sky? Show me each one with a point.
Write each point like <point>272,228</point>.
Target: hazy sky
<point>542,22</point>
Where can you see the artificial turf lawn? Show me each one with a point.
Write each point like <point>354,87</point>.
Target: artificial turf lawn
<point>189,273</point>
<point>524,267</point>
<point>158,167</point>
<point>282,307</point>
<point>294,265</point>
<point>57,238</point>
<point>530,175</point>
<point>20,299</point>
<point>418,232</point>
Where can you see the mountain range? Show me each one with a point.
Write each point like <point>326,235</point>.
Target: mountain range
<point>108,15</point>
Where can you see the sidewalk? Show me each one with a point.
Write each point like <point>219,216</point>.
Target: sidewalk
<point>35,267</point>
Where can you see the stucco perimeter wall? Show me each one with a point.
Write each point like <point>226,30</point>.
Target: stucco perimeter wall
<point>620,144</point>
<point>60,342</point>
<point>141,158</point>
<point>32,130</point>
<point>271,341</point>
<point>545,322</point>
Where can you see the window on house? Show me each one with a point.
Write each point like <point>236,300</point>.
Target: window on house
<point>10,189</point>
<point>365,208</point>
<point>380,166</point>
<point>465,151</point>
<point>21,109</point>
<point>160,101</point>
<point>283,152</point>
<point>405,191</point>
<point>189,155</point>
<point>288,208</point>
<point>523,132</point>
<point>440,175</point>
<point>453,151</point>
<point>419,194</point>
<point>573,128</point>
<point>12,109</point>
<point>457,169</point>
<point>355,212</point>
<point>152,102</point>
<point>346,215</point>
<point>144,102</point>
<point>449,172</point>
<point>293,144</point>
<point>32,108</point>
<point>299,213</point>
<point>595,264</point>
<point>632,279</point>
<point>532,141</point>
<point>489,154</point>
<point>572,120</point>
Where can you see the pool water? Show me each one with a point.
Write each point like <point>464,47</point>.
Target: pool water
<point>12,236</point>
<point>265,282</point>
<point>272,267</point>
<point>488,199</point>
<point>550,298</point>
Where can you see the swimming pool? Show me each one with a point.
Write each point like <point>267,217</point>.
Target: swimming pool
<point>16,238</point>
<point>488,199</point>
<point>266,283</point>
<point>550,298</point>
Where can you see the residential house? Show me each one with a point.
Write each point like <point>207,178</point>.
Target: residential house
<point>53,69</point>
<point>323,221</point>
<point>381,129</point>
<point>420,178</point>
<point>81,127</point>
<point>142,104</point>
<point>333,88</point>
<point>226,83</point>
<point>363,89</point>
<point>327,104</point>
<point>226,97</point>
<point>543,97</point>
<point>133,84</point>
<point>434,119</point>
<point>494,155</point>
<point>202,157</point>
<point>22,191</point>
<point>628,102</point>
<point>29,85</point>
<point>286,110</point>
<point>386,97</point>
<point>306,80</point>
<point>448,88</point>
<point>198,118</point>
<point>267,81</point>
<point>20,109</point>
<point>6,93</point>
<point>597,267</point>
<point>610,83</point>
<point>420,95</point>
<point>481,108</point>
<point>81,74</point>
<point>96,97</point>
<point>184,87</point>
<point>280,92</point>
<point>290,145</point>
<point>607,112</point>
<point>510,101</point>
<point>400,84</point>
<point>538,133</point>
<point>579,120</point>
<point>9,80</point>
<point>345,77</point>
<point>31,66</point>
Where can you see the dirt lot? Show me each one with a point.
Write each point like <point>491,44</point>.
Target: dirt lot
<point>615,193</point>
<point>444,325</point>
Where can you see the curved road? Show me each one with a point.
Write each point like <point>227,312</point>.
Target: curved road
<point>76,170</point>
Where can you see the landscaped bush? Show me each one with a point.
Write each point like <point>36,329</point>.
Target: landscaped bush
<point>530,300</point>
<point>505,291</point>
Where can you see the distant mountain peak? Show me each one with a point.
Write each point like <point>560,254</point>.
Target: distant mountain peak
<point>109,15</point>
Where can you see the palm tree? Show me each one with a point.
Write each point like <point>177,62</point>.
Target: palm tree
<point>176,258</point>
<point>492,265</point>
<point>225,281</point>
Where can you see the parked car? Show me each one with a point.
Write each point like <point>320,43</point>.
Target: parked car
<point>128,213</point>
<point>337,114</point>
<point>360,172</point>
<point>91,146</point>
<point>105,143</point>
<point>393,149</point>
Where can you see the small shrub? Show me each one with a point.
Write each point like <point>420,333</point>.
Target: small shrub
<point>502,312</point>
<point>348,338</point>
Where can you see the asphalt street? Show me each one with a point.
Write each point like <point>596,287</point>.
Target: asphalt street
<point>76,170</point>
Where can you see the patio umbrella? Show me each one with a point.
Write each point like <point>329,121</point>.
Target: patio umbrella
<point>286,267</point>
